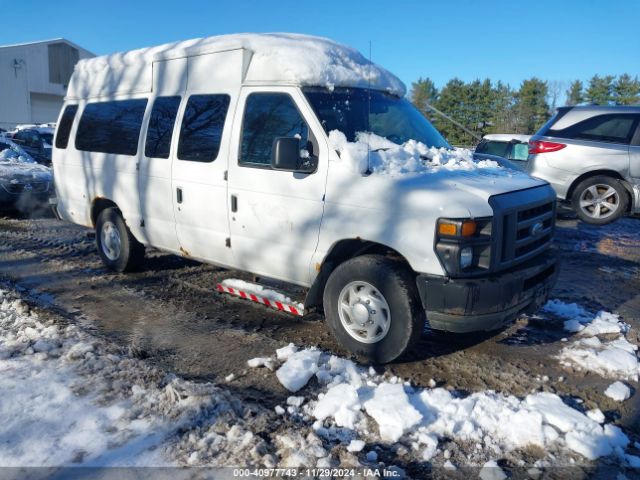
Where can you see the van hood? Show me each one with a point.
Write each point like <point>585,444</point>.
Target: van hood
<point>446,193</point>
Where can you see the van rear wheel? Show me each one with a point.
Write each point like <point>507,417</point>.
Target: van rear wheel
<point>371,305</point>
<point>117,247</point>
<point>599,200</point>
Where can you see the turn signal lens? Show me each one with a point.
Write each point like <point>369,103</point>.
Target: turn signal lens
<point>457,228</point>
<point>449,229</point>
<point>468,228</point>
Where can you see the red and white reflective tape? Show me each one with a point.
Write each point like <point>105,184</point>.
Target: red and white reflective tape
<point>283,307</point>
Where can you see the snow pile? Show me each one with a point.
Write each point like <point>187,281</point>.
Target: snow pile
<point>371,153</point>
<point>260,291</point>
<point>595,351</point>
<point>298,369</point>
<point>70,398</point>
<point>353,397</point>
<point>618,391</point>
<point>301,59</point>
<point>574,314</point>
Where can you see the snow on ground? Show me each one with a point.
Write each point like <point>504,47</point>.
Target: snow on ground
<point>70,398</point>
<point>601,346</point>
<point>371,153</point>
<point>618,391</point>
<point>355,404</point>
<point>260,291</point>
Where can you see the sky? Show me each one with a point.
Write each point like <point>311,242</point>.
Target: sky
<point>502,40</point>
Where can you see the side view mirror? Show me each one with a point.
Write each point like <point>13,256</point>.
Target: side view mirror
<point>285,155</point>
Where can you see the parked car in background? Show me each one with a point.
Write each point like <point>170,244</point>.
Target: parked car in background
<point>25,185</point>
<point>35,140</point>
<point>512,146</point>
<point>591,157</point>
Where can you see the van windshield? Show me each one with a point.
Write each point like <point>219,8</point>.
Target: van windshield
<point>353,110</point>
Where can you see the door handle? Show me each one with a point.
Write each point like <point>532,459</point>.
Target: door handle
<point>234,203</point>
<point>179,195</point>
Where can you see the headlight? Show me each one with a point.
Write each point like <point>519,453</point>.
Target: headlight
<point>463,245</point>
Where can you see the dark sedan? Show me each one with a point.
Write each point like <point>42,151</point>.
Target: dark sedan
<point>25,185</point>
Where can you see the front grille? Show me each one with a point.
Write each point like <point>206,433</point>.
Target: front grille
<point>525,233</point>
<point>523,225</point>
<point>18,188</point>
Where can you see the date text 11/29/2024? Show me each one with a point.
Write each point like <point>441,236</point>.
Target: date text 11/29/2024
<point>317,472</point>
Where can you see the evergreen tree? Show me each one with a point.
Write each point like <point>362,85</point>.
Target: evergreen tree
<point>600,90</point>
<point>574,93</point>
<point>531,106</point>
<point>423,92</point>
<point>626,90</point>
<point>452,100</point>
<point>502,119</point>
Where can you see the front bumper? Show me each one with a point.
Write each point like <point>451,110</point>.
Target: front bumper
<point>483,304</point>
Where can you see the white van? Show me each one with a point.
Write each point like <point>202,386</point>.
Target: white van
<point>296,158</point>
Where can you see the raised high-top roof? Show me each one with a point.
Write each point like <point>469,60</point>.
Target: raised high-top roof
<point>278,58</point>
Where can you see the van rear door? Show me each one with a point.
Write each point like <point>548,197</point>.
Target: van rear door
<point>275,215</point>
<point>154,166</point>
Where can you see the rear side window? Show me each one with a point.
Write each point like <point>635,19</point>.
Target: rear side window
<point>111,127</point>
<point>202,125</point>
<point>519,151</point>
<point>64,129</point>
<point>266,117</point>
<point>160,129</point>
<point>603,128</point>
<point>494,148</point>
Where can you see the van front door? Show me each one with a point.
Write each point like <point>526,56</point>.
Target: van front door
<point>275,215</point>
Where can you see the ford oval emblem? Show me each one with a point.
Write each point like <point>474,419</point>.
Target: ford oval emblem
<point>28,187</point>
<point>536,229</point>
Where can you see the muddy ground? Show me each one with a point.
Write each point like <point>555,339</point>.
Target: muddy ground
<point>170,314</point>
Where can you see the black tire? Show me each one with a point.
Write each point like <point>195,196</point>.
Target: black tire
<point>130,253</point>
<point>600,214</point>
<point>396,284</point>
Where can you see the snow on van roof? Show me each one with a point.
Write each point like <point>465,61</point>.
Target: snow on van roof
<point>276,57</point>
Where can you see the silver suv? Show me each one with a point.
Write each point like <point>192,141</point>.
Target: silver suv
<point>591,157</point>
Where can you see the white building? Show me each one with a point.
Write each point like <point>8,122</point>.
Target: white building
<point>34,78</point>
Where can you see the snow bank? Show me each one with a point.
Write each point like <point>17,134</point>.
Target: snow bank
<point>284,57</point>
<point>259,290</point>
<point>72,399</point>
<point>421,417</point>
<point>371,153</point>
<point>615,358</point>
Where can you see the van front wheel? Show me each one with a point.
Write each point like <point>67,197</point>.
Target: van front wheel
<point>117,247</point>
<point>372,307</point>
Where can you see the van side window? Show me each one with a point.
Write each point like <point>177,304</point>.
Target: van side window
<point>266,117</point>
<point>202,125</point>
<point>64,129</point>
<point>603,128</point>
<point>160,129</point>
<point>111,127</point>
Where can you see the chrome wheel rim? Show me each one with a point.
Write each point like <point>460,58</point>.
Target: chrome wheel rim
<point>110,241</point>
<point>364,312</point>
<point>599,201</point>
